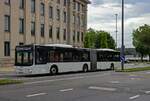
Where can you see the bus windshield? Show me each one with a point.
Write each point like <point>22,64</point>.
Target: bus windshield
<point>24,58</point>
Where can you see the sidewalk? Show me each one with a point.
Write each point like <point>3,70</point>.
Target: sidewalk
<point>6,69</point>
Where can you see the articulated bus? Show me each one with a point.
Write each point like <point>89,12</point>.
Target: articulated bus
<point>57,58</point>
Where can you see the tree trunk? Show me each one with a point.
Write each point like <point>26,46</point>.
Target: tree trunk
<point>149,57</point>
<point>142,57</point>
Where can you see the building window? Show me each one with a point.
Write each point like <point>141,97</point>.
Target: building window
<point>32,6</point>
<point>6,48</point>
<point>78,6</point>
<point>65,2</point>
<point>7,23</point>
<point>83,8</point>
<point>78,36</point>
<point>21,4</point>
<point>42,30</point>
<point>58,14</point>
<point>74,18</point>
<point>50,12</point>
<point>74,34</point>
<point>64,34</point>
<point>82,21</point>
<point>21,43</point>
<point>58,32</point>
<point>82,37</point>
<point>7,2</point>
<point>78,20</point>
<point>74,4</point>
<point>33,28</point>
<point>21,25</point>
<point>65,17</point>
<point>50,31</point>
<point>58,1</point>
<point>42,9</point>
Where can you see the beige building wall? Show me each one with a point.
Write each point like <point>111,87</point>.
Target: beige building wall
<point>15,12</point>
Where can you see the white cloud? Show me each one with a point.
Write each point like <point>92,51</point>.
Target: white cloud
<point>102,17</point>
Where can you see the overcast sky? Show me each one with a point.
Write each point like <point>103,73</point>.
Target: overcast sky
<point>101,16</point>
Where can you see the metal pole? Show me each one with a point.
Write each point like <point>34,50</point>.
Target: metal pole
<point>116,28</point>
<point>122,46</point>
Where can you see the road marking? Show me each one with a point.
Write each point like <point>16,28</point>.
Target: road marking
<point>133,75</point>
<point>66,79</point>
<point>134,97</point>
<point>147,92</point>
<point>33,95</point>
<point>135,78</point>
<point>102,88</point>
<point>65,90</point>
<point>115,82</point>
<point>147,72</point>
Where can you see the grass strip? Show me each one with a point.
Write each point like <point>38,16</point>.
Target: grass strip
<point>134,69</point>
<point>9,81</point>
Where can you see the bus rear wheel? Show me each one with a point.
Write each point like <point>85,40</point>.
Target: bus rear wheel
<point>54,70</point>
<point>85,68</point>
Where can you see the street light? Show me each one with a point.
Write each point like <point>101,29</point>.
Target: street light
<point>116,28</point>
<point>122,46</point>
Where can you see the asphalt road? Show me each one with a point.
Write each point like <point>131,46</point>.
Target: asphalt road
<point>94,86</point>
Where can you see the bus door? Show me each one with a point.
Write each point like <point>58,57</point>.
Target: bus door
<point>93,59</point>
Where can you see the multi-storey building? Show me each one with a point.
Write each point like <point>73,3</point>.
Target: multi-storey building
<point>40,22</point>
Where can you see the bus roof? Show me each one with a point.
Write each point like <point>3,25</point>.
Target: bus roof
<point>106,49</point>
<point>59,45</point>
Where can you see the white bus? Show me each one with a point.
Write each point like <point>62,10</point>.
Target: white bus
<point>108,59</point>
<point>56,58</point>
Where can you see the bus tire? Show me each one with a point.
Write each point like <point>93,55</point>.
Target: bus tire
<point>85,68</point>
<point>54,70</point>
<point>112,66</point>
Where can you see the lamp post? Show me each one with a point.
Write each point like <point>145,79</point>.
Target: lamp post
<point>116,28</point>
<point>122,46</point>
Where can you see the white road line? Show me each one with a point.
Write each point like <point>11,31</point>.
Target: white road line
<point>114,82</point>
<point>65,90</point>
<point>134,97</point>
<point>133,75</point>
<point>147,72</point>
<point>147,92</point>
<point>65,79</point>
<point>33,95</point>
<point>135,78</point>
<point>102,88</point>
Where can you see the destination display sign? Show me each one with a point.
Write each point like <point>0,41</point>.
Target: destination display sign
<point>23,48</point>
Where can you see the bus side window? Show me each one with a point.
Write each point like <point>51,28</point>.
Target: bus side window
<point>67,56</point>
<point>56,57</point>
<point>84,57</point>
<point>61,57</point>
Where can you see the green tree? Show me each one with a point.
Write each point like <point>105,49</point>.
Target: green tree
<point>111,42</point>
<point>104,43</point>
<point>89,41</point>
<point>144,37</point>
<point>141,38</point>
<point>98,39</point>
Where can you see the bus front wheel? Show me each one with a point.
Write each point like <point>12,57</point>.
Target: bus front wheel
<point>54,70</point>
<point>85,68</point>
